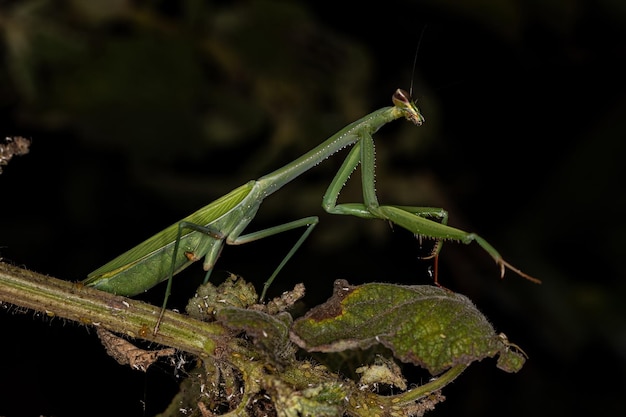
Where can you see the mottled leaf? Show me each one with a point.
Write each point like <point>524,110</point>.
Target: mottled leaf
<point>425,325</point>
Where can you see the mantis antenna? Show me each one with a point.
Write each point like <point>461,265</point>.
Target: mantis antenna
<point>417,48</point>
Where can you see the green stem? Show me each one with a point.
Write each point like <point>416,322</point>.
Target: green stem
<point>73,301</point>
<point>368,404</point>
<point>426,389</point>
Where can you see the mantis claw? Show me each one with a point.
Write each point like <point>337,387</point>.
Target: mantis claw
<point>505,265</point>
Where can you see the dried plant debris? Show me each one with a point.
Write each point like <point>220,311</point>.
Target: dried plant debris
<point>382,371</point>
<point>210,299</point>
<point>283,302</point>
<point>125,353</point>
<point>235,292</point>
<point>13,146</point>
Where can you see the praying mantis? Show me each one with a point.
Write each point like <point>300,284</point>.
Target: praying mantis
<point>204,233</point>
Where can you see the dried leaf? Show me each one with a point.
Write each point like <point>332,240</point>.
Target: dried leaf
<point>125,353</point>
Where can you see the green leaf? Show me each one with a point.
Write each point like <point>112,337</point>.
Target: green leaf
<point>424,325</point>
<point>269,332</point>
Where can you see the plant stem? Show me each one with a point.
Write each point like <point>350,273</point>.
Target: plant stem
<point>73,301</point>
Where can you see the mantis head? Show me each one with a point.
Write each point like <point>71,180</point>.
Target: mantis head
<point>402,100</point>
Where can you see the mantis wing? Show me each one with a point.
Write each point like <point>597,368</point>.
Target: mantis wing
<point>155,244</point>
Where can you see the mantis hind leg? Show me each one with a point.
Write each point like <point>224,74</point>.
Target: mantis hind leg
<point>213,250</point>
<point>213,247</point>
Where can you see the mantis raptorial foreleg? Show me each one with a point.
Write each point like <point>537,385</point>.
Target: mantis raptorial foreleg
<point>415,219</point>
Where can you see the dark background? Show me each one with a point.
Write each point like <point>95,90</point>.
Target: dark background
<point>141,113</point>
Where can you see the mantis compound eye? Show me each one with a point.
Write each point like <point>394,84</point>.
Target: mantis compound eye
<point>402,100</point>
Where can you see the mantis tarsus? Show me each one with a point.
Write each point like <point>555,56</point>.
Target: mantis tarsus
<point>203,233</point>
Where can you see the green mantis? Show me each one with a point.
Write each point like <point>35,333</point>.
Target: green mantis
<point>204,233</point>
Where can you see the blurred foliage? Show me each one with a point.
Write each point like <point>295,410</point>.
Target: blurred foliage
<point>141,112</point>
<point>140,80</point>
